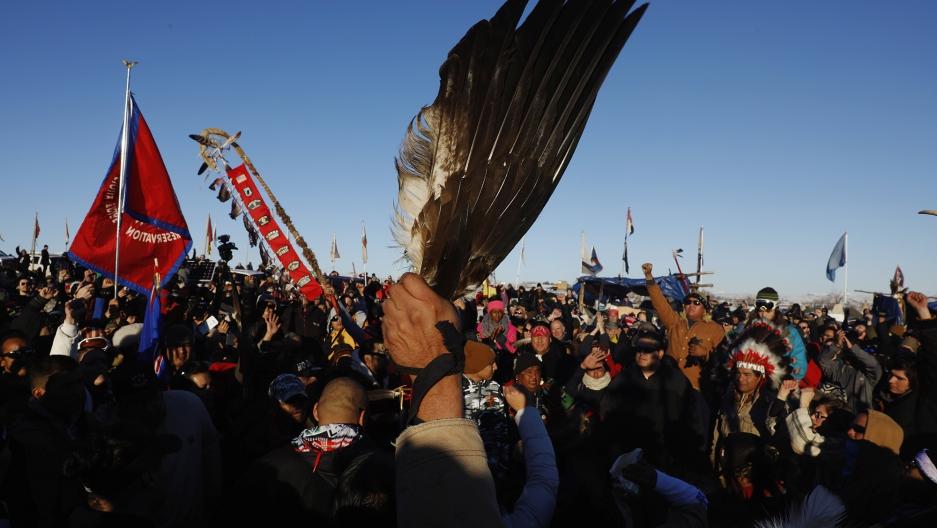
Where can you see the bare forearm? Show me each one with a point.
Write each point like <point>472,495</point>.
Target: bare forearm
<point>443,400</point>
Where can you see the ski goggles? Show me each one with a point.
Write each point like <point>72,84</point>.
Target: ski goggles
<point>764,304</point>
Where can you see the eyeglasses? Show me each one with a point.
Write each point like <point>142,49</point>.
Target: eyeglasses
<point>694,302</point>
<point>820,416</point>
<point>858,428</point>
<point>767,305</point>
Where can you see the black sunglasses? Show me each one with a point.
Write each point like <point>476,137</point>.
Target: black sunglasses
<point>694,302</point>
<point>858,428</point>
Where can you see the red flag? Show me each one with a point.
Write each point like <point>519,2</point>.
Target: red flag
<point>152,225</point>
<point>36,227</point>
<point>269,229</point>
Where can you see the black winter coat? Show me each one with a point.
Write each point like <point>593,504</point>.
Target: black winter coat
<point>656,413</point>
<point>35,488</point>
<point>286,485</point>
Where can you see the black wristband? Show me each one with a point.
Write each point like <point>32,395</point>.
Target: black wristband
<point>438,368</point>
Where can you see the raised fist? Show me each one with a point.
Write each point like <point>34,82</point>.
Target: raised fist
<point>648,269</point>
<point>411,312</point>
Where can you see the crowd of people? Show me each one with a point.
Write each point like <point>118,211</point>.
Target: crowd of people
<point>381,404</point>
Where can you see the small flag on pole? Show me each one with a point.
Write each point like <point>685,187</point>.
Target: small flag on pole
<point>523,261</point>
<point>629,230</point>
<point>36,227</point>
<point>253,237</point>
<point>837,258</point>
<point>897,281</point>
<point>68,236</point>
<point>333,252</point>
<point>149,335</point>
<point>592,266</point>
<point>364,244</point>
<point>624,257</point>
<point>209,237</point>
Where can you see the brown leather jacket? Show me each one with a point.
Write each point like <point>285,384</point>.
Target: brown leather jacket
<point>680,332</point>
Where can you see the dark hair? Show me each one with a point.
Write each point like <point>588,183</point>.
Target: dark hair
<point>12,334</point>
<point>365,494</point>
<point>838,419</point>
<point>41,370</point>
<point>907,362</point>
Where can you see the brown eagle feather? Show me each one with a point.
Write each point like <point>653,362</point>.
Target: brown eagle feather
<point>478,165</point>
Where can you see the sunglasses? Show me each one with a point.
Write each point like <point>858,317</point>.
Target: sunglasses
<point>694,302</point>
<point>858,428</point>
<point>767,305</point>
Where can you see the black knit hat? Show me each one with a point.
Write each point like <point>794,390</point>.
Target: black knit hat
<point>178,335</point>
<point>648,338</point>
<point>768,294</point>
<point>524,361</point>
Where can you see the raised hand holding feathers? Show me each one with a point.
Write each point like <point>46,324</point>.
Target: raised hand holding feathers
<point>479,164</point>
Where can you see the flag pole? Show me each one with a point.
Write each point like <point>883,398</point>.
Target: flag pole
<point>845,270</point>
<point>124,138</point>
<point>35,223</point>
<point>520,262</point>
<point>699,256</point>
<point>582,250</point>
<point>625,253</point>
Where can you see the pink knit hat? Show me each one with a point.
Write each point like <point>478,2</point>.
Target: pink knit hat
<point>495,306</point>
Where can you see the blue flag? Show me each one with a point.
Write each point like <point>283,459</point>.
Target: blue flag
<point>149,336</point>
<point>837,258</point>
<point>593,266</point>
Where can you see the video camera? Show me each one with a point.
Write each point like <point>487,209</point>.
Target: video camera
<point>226,248</point>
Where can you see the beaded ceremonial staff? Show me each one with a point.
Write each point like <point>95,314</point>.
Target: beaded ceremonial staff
<point>212,143</point>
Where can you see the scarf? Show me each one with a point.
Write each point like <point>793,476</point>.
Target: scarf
<point>804,439</point>
<point>326,438</point>
<point>596,384</point>
<point>488,327</point>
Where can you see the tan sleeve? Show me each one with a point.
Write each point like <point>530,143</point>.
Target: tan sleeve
<point>664,312</point>
<point>443,477</point>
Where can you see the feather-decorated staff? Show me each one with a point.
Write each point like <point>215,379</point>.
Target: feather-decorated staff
<point>479,164</point>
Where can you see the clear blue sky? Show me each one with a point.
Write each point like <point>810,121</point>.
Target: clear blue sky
<point>777,125</point>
